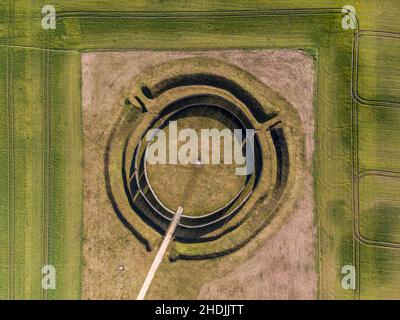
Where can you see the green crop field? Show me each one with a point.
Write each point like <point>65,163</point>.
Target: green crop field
<point>379,148</point>
<point>378,65</point>
<point>379,218</point>
<point>356,161</point>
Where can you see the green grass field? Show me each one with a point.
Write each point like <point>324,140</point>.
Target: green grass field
<point>41,139</point>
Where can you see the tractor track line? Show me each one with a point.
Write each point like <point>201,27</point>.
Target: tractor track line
<point>46,159</point>
<point>11,156</point>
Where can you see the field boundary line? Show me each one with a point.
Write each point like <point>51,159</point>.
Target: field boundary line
<point>173,14</point>
<point>354,164</point>
<point>46,158</point>
<point>43,158</point>
<point>48,131</point>
<point>181,13</point>
<point>354,158</point>
<point>37,48</point>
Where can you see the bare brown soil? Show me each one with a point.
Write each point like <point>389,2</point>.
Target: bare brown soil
<point>281,267</point>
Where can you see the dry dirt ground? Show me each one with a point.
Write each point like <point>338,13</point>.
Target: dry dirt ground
<point>281,267</point>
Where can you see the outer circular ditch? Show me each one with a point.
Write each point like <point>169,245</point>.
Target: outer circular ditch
<point>166,91</point>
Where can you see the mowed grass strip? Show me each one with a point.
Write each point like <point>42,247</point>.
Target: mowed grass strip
<point>380,208</point>
<point>21,256</point>
<point>4,181</point>
<point>27,75</point>
<point>379,272</point>
<point>210,32</point>
<point>332,165</point>
<point>65,174</point>
<point>379,138</point>
<point>379,67</point>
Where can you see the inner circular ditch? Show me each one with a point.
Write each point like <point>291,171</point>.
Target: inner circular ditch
<point>203,179</point>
